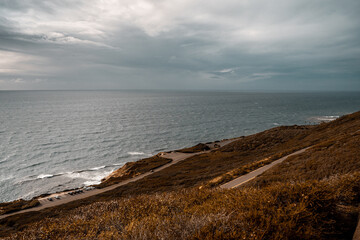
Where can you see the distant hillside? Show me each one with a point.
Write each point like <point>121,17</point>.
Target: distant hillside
<point>313,195</point>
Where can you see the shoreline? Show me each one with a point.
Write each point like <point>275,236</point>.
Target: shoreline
<point>73,194</point>
<point>62,197</point>
<point>42,195</point>
<point>265,165</point>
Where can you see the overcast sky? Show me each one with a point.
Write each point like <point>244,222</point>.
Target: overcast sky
<point>180,44</point>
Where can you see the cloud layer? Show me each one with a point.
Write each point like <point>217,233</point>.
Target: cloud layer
<point>180,44</point>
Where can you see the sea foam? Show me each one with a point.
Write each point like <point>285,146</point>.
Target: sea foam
<point>41,176</point>
<point>136,153</point>
<point>324,118</point>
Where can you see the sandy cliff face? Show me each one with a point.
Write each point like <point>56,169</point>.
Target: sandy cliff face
<point>121,172</point>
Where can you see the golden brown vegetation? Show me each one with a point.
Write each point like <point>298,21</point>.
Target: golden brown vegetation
<point>339,155</point>
<point>285,140</point>
<point>17,205</point>
<point>227,177</point>
<point>197,148</point>
<point>132,169</point>
<point>307,210</point>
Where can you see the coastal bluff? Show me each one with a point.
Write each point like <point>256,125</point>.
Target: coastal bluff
<point>313,194</point>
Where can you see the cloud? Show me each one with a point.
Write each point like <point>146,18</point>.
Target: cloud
<point>60,38</point>
<point>157,44</point>
<point>227,70</point>
<point>16,63</point>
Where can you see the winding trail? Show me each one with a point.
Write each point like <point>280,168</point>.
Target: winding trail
<point>66,198</point>
<point>237,182</point>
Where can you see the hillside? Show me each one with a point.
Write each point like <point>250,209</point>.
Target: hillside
<point>312,195</point>
<point>132,169</point>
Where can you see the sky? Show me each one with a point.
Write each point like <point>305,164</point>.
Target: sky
<point>236,45</point>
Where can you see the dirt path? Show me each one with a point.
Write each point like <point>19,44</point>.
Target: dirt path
<point>237,182</point>
<point>65,197</point>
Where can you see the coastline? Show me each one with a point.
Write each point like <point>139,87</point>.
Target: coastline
<point>187,178</point>
<point>68,195</point>
<point>72,155</point>
<point>73,194</point>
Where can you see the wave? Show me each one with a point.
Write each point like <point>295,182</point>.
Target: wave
<point>3,178</point>
<point>85,177</point>
<point>6,159</point>
<point>118,164</point>
<point>71,174</point>
<point>47,144</point>
<point>90,178</point>
<point>53,154</point>
<point>108,141</point>
<point>98,168</point>
<point>28,195</point>
<point>93,133</point>
<point>35,156</point>
<point>32,165</point>
<point>69,160</point>
<point>35,164</point>
<point>326,118</point>
<point>89,183</point>
<point>136,153</point>
<point>41,176</point>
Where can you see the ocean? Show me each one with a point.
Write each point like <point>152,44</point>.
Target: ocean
<point>56,140</point>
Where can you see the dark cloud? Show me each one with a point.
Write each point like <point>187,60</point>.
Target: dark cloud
<point>295,45</point>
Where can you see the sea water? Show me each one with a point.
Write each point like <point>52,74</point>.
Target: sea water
<point>56,140</point>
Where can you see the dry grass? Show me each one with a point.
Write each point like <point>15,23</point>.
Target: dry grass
<point>197,148</point>
<point>307,210</point>
<point>336,156</point>
<point>338,138</point>
<point>132,169</point>
<point>17,205</point>
<point>227,177</point>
